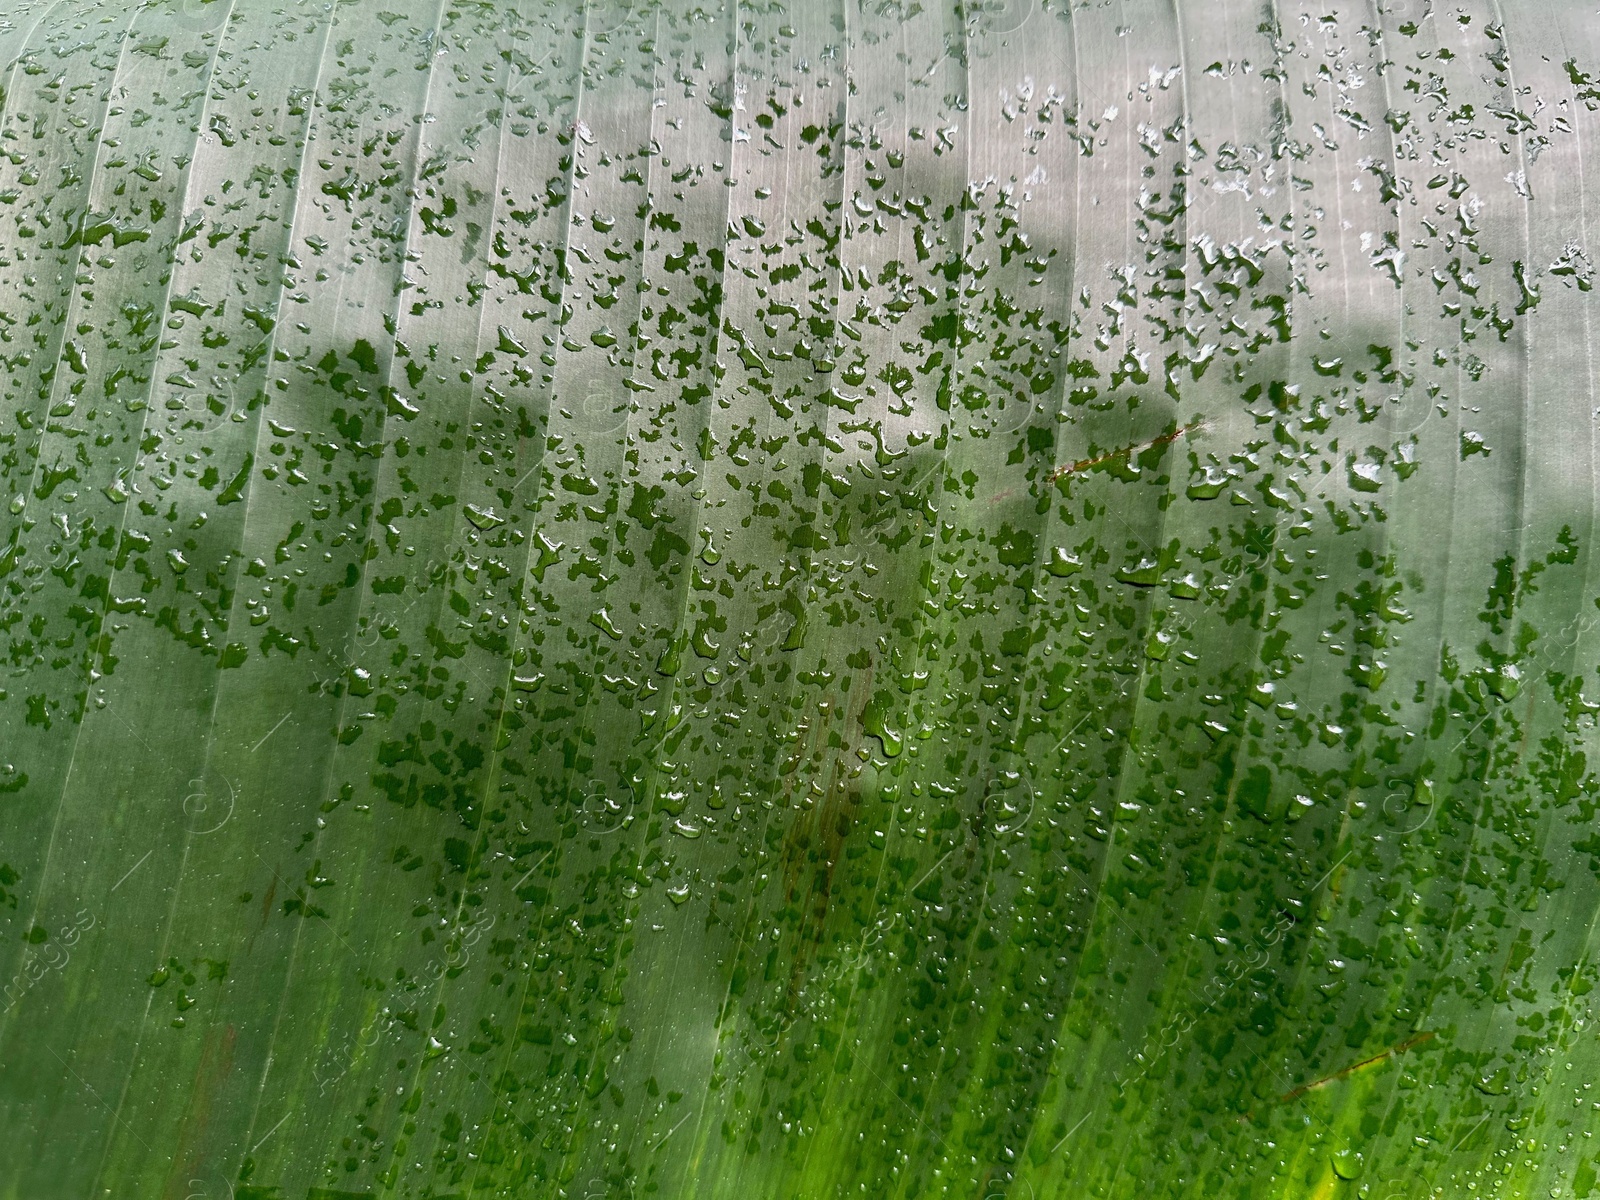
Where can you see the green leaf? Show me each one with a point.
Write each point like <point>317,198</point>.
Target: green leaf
<point>621,599</point>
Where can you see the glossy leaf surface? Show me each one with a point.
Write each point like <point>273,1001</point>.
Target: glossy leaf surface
<point>819,599</point>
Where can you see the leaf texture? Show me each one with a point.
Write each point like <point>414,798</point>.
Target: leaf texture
<point>841,598</point>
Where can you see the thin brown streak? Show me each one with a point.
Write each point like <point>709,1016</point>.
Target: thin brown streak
<point>1415,1040</point>
<point>1084,464</point>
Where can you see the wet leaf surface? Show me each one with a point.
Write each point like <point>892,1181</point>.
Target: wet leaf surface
<point>866,598</point>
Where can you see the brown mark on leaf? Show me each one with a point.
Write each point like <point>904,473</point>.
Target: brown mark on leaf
<point>210,1075</point>
<point>1415,1040</point>
<point>815,839</point>
<point>266,911</point>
